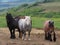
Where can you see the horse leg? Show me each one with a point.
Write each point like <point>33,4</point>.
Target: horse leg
<point>46,36</point>
<point>49,36</point>
<point>29,35</point>
<point>10,33</point>
<point>54,36</point>
<point>23,35</point>
<point>14,34</point>
<point>20,33</point>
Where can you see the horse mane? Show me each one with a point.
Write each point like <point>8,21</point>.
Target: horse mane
<point>19,17</point>
<point>10,20</point>
<point>9,17</point>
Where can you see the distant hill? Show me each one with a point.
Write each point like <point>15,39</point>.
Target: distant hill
<point>51,9</point>
<point>13,3</point>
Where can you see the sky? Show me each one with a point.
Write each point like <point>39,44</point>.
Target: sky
<point>8,0</point>
<point>17,0</point>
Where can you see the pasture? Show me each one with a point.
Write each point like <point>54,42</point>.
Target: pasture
<point>37,22</point>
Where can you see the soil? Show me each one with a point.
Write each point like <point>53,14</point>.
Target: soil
<point>37,38</point>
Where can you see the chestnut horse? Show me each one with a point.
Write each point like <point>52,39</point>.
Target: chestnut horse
<point>49,30</point>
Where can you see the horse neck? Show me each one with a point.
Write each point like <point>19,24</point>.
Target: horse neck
<point>11,19</point>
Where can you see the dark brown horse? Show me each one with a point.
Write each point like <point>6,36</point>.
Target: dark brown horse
<point>49,30</point>
<point>12,24</point>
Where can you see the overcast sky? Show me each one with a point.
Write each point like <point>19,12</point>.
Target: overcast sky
<point>8,0</point>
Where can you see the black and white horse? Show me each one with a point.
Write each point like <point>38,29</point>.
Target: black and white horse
<point>25,25</point>
<point>12,24</point>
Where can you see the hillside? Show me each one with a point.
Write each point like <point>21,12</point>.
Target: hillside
<point>5,4</point>
<point>12,3</point>
<point>51,9</point>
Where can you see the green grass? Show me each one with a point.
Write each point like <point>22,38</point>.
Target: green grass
<point>37,22</point>
<point>2,21</point>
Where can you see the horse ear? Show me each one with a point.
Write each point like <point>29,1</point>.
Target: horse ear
<point>49,22</point>
<point>53,22</point>
<point>7,13</point>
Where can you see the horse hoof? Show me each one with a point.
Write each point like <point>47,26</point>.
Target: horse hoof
<point>50,39</point>
<point>46,39</point>
<point>12,37</point>
<point>54,40</point>
<point>20,37</point>
<point>25,39</point>
<point>29,39</point>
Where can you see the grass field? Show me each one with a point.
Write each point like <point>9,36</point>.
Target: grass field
<point>2,21</point>
<point>37,22</point>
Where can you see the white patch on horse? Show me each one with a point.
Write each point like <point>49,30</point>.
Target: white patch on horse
<point>25,25</point>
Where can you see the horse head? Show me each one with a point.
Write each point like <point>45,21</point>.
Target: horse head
<point>9,17</point>
<point>51,23</point>
<point>28,19</point>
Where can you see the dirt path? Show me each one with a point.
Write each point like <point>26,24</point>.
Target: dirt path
<point>37,38</point>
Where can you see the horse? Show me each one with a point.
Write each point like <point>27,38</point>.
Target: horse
<point>25,25</point>
<point>12,24</point>
<point>49,30</point>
